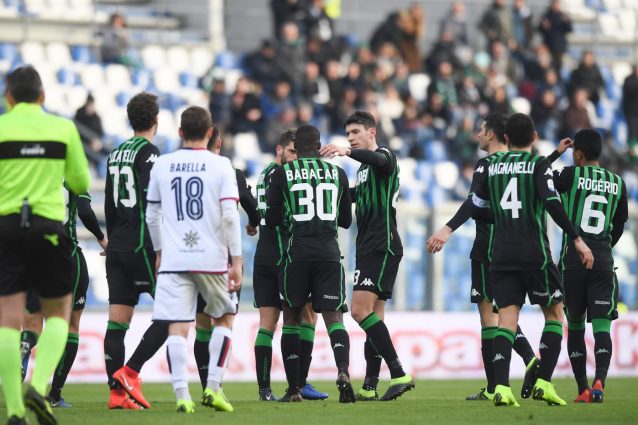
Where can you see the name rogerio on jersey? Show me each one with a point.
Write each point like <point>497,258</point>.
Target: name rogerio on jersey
<point>598,185</point>
<point>305,174</point>
<point>521,167</point>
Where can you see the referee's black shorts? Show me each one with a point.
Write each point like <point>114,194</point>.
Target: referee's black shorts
<point>38,257</point>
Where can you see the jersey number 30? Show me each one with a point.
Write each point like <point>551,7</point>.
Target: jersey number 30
<point>316,205</point>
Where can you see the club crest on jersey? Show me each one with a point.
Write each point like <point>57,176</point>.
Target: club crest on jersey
<point>191,239</point>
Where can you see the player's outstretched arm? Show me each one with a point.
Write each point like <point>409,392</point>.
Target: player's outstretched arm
<point>436,242</point>
<point>373,158</point>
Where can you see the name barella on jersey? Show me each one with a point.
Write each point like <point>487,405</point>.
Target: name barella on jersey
<point>481,249</point>
<point>272,241</point>
<point>313,198</point>
<point>376,193</point>
<point>516,185</point>
<point>190,185</point>
<point>129,169</point>
<point>595,200</point>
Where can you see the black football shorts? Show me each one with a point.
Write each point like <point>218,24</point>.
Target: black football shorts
<point>594,292</point>
<point>510,287</point>
<point>481,282</point>
<point>130,274</point>
<point>266,286</point>
<point>322,281</point>
<point>376,273</point>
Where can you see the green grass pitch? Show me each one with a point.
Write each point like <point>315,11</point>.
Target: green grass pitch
<point>432,402</point>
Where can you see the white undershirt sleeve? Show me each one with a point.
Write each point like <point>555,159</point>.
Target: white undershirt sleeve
<point>232,228</point>
<point>154,222</point>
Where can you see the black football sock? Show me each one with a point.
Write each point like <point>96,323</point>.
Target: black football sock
<point>522,347</point>
<point>602,347</point>
<point>379,335</point>
<point>550,349</point>
<point>502,350</point>
<point>340,343</point>
<point>487,341</point>
<point>290,351</point>
<point>114,349</point>
<point>28,340</point>
<point>577,351</point>
<point>263,357</point>
<point>64,367</point>
<point>202,354</point>
<point>373,366</point>
<point>153,339</point>
<point>307,337</point>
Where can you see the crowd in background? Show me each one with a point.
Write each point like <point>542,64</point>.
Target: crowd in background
<point>306,73</point>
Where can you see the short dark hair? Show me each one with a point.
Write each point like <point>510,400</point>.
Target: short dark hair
<point>496,123</point>
<point>24,84</point>
<point>361,117</point>
<point>520,130</point>
<point>195,123</point>
<point>216,135</point>
<point>589,142</point>
<point>287,137</point>
<point>142,110</point>
<point>307,139</point>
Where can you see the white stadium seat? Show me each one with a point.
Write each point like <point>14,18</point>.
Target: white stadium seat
<point>154,56</point>
<point>32,52</point>
<point>92,76</point>
<point>246,146</point>
<point>201,60</point>
<point>118,77</point>
<point>58,55</point>
<point>178,58</point>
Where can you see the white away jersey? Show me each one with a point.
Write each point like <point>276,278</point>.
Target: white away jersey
<point>190,185</point>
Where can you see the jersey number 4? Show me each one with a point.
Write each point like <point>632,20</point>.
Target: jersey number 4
<point>316,205</point>
<point>125,176</point>
<point>509,200</point>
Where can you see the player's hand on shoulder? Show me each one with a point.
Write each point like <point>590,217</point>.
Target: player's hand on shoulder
<point>330,151</point>
<point>585,254</point>
<point>437,240</point>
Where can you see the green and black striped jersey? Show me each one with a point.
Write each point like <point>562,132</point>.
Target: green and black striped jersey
<point>312,197</point>
<point>376,193</point>
<point>484,231</point>
<point>595,200</point>
<point>272,241</point>
<point>129,168</point>
<point>517,183</point>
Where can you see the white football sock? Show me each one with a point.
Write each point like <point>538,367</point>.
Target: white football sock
<point>220,347</point>
<point>178,357</point>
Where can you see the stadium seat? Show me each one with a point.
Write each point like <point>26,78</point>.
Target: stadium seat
<point>154,57</point>
<point>58,55</point>
<point>76,97</point>
<point>339,141</point>
<point>32,52</point>
<point>67,77</point>
<point>446,174</point>
<point>620,71</point>
<point>246,146</point>
<point>436,151</point>
<point>178,58</point>
<point>167,126</point>
<point>188,80</point>
<point>83,54</point>
<point>9,56</point>
<point>142,79</point>
<point>418,85</point>
<point>522,105</point>
<point>201,60</point>
<point>55,100</point>
<point>118,77</point>
<point>93,77</point>
<point>166,80</point>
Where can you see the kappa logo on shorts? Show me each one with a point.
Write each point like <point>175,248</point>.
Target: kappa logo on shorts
<point>475,293</point>
<point>367,282</point>
<point>600,302</point>
<point>81,301</point>
<point>557,294</point>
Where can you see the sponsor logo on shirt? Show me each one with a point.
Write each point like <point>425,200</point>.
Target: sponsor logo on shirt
<point>191,239</point>
<point>35,150</point>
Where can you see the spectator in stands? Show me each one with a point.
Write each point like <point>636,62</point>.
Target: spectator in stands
<point>503,62</point>
<point>272,104</point>
<point>546,115</point>
<point>336,90</point>
<point>522,24</point>
<point>354,78</point>
<point>286,119</point>
<point>463,184</point>
<point>411,24</point>
<point>115,42</point>
<point>284,11</point>
<point>314,88</point>
<point>630,108</point>
<point>262,66</point>
<point>444,50</point>
<point>499,103</point>
<point>219,105</point>
<point>245,110</point>
<point>587,76</point>
<point>445,86</point>
<point>551,82</point>
<point>316,22</point>
<point>554,27</point>
<point>291,55</point>
<point>496,24</point>
<point>576,115</point>
<point>455,23</point>
<point>469,93</point>
<point>89,125</point>
<point>389,31</point>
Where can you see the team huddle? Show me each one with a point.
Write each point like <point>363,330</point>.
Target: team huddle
<point>173,231</point>
<point>512,188</point>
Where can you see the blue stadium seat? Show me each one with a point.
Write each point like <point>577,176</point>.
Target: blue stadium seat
<point>83,54</point>
<point>227,60</point>
<point>68,77</point>
<point>436,151</point>
<point>9,52</point>
<point>188,80</point>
